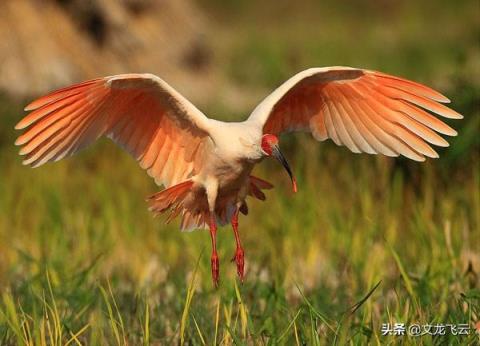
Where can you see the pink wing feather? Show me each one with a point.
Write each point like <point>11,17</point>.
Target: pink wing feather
<point>140,112</point>
<point>364,110</point>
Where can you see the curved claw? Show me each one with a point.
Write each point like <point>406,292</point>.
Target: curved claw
<point>239,259</point>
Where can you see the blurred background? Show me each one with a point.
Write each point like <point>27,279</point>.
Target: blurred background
<point>81,259</point>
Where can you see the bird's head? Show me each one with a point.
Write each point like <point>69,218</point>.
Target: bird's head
<point>270,148</point>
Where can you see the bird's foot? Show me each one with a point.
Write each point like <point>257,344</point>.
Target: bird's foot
<point>239,259</point>
<point>215,269</point>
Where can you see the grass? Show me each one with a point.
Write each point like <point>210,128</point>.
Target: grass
<point>367,240</point>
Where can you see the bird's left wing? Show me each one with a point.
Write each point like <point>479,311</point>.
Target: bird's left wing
<point>161,129</point>
<point>366,111</point>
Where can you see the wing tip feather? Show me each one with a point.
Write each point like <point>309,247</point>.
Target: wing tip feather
<point>31,163</point>
<point>443,144</point>
<point>433,155</point>
<point>418,159</point>
<point>21,124</point>
<point>19,141</point>
<point>18,126</point>
<point>452,133</point>
<point>30,107</point>
<point>455,115</point>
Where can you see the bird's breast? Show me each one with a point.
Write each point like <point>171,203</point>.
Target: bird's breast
<point>229,171</point>
<point>233,174</point>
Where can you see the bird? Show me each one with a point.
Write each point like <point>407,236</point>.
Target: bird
<point>205,165</point>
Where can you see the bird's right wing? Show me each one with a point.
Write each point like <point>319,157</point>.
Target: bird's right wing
<point>367,111</point>
<point>162,130</point>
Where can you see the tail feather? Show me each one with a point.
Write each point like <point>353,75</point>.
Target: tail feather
<point>260,183</point>
<point>195,215</point>
<point>170,198</point>
<point>256,186</point>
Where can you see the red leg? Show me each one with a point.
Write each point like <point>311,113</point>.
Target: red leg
<point>214,259</point>
<point>239,253</point>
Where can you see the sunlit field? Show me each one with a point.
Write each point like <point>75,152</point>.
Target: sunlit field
<point>366,241</point>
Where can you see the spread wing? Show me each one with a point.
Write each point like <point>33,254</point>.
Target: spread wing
<point>364,110</point>
<point>162,130</point>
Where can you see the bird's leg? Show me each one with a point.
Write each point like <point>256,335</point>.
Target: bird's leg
<point>214,259</point>
<point>239,253</point>
<point>211,187</point>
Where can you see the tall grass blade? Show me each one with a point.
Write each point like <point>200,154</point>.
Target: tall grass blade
<point>363,300</point>
<point>403,273</point>
<point>200,335</point>
<point>292,323</point>
<point>111,317</point>
<point>188,300</point>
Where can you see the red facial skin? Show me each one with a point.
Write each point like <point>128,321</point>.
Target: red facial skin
<point>268,141</point>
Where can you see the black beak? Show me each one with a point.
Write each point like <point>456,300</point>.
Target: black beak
<point>279,156</point>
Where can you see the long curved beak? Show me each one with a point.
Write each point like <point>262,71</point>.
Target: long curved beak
<point>279,156</point>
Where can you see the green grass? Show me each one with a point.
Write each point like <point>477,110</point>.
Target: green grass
<point>366,240</point>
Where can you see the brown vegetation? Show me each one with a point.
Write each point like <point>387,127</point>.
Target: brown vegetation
<point>47,44</point>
